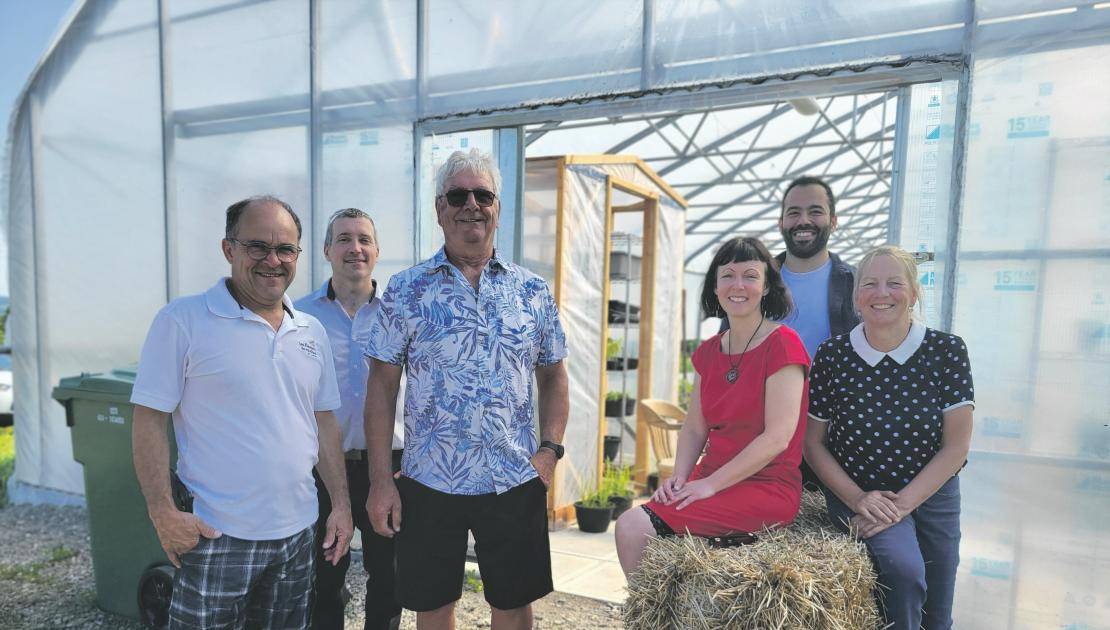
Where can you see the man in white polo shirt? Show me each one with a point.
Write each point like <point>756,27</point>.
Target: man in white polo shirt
<point>250,385</point>
<point>347,304</point>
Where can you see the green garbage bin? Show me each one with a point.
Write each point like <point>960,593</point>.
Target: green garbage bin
<point>133,576</point>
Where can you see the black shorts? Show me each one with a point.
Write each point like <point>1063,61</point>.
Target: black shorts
<point>510,539</point>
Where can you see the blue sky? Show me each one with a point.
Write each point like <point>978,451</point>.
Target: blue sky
<point>26,29</point>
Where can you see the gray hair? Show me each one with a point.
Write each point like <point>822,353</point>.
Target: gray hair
<point>473,161</point>
<point>349,213</point>
<point>235,211</point>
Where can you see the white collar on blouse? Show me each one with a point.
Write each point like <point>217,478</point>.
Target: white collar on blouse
<point>901,354</point>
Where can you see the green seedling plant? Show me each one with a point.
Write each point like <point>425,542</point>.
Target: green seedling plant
<point>617,480</point>
<point>473,582</point>
<point>612,348</point>
<point>596,498</point>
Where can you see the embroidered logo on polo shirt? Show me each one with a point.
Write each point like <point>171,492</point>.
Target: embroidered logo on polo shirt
<point>309,348</point>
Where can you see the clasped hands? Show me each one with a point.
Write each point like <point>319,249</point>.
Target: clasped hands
<point>677,490</point>
<point>875,511</point>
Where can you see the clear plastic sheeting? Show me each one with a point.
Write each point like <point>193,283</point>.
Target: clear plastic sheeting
<point>564,233</point>
<point>540,219</point>
<point>380,35</point>
<point>216,61</point>
<point>95,153</point>
<point>218,155</point>
<point>925,159</point>
<point>485,53</point>
<point>708,40</point>
<point>666,343</point>
<point>1033,304</point>
<point>580,296</point>
<point>21,328</point>
<point>669,247</point>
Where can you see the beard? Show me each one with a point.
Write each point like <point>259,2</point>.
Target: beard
<point>810,249</point>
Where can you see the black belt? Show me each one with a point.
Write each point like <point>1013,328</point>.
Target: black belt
<point>360,455</point>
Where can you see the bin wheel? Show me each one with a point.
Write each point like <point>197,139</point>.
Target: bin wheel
<point>155,591</point>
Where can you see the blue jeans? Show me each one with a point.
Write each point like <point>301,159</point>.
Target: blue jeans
<point>916,559</point>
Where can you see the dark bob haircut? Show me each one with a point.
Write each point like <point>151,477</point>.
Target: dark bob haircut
<point>775,305</point>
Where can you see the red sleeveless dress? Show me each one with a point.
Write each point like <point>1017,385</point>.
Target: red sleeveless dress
<point>734,416</point>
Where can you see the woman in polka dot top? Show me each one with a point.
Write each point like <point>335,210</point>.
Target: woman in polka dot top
<point>889,429</point>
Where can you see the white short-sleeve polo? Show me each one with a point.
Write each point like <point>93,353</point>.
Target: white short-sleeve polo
<point>242,398</point>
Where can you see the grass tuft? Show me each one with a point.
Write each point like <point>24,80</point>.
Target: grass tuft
<point>61,553</point>
<point>473,582</point>
<point>32,571</point>
<point>7,461</point>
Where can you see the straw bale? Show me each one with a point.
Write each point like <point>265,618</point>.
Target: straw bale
<point>806,576</point>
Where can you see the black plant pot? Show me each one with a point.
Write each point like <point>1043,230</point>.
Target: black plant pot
<point>613,408</point>
<point>612,447</point>
<point>620,505</point>
<point>618,363</point>
<point>593,520</point>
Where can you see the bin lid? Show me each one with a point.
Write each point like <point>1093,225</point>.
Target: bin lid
<point>114,384</point>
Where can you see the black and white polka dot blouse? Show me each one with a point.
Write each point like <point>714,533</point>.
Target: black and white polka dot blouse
<point>885,409</point>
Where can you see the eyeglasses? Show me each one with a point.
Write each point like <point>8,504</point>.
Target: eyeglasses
<point>258,250</point>
<point>457,196</point>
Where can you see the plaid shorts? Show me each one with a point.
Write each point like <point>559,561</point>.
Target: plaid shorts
<point>229,582</point>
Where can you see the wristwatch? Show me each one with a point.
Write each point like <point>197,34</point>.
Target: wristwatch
<point>553,447</point>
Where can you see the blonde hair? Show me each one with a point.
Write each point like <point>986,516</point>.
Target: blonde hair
<point>904,259</point>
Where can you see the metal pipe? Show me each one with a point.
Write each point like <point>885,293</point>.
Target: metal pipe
<point>315,139</point>
<point>898,166</point>
<point>959,159</point>
<point>647,60</point>
<point>169,178</point>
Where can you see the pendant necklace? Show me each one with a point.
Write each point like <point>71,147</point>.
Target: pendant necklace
<point>734,370</point>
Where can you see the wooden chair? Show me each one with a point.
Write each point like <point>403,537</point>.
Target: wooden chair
<point>664,419</point>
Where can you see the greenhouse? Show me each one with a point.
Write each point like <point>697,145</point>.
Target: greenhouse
<point>973,133</point>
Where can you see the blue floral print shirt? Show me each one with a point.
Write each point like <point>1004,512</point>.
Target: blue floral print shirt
<point>469,357</point>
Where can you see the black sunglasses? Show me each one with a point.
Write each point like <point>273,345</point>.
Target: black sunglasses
<point>457,196</point>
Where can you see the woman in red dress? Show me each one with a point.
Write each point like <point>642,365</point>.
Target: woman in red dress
<point>747,412</point>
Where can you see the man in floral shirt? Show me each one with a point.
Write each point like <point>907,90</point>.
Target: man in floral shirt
<point>471,329</point>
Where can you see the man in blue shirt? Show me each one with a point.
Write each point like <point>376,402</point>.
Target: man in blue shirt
<point>471,329</point>
<point>820,283</point>
<point>347,304</point>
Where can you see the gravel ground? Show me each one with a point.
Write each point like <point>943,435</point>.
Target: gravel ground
<point>46,581</point>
